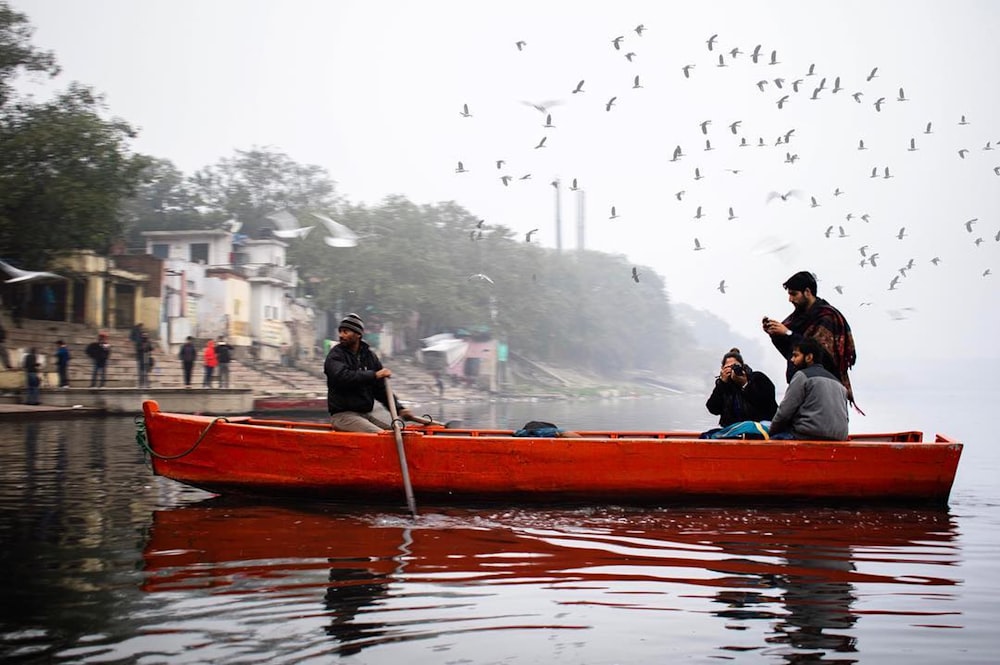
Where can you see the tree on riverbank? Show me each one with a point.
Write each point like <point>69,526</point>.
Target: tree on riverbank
<point>64,168</point>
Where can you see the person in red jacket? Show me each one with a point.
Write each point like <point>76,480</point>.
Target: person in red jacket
<point>211,361</point>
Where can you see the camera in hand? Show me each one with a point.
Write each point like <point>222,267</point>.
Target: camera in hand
<point>738,370</point>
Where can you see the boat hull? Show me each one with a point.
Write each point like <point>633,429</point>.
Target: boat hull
<point>275,457</point>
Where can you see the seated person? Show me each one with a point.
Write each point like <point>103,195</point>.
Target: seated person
<point>815,403</point>
<point>741,393</point>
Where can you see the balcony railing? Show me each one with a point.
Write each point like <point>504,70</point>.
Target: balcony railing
<point>286,275</point>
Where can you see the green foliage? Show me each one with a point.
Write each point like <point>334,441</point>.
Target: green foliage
<point>259,182</point>
<point>64,171</point>
<point>165,200</point>
<point>579,308</point>
<point>16,51</point>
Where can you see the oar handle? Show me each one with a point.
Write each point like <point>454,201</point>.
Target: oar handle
<point>397,430</point>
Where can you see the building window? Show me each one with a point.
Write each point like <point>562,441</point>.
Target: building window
<point>199,252</point>
<point>161,250</point>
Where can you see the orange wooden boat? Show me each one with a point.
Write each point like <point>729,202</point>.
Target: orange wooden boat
<point>458,466</point>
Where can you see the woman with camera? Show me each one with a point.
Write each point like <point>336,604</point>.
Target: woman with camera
<point>741,393</point>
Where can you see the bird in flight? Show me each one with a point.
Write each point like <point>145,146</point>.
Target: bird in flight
<point>784,197</point>
<point>704,126</point>
<point>541,144</point>
<point>611,102</point>
<point>872,74</point>
<point>828,231</point>
<point>755,54</point>
<point>928,129</point>
<point>579,87</point>
<point>878,103</point>
<point>732,215</point>
<point>893,282</point>
<point>902,233</point>
<point>680,194</point>
<point>861,144</point>
<point>697,213</point>
<point>962,152</point>
<point>734,126</point>
<point>542,107</point>
<point>863,249</point>
<point>573,187</point>
<point>520,45</point>
<point>635,82</point>
<point>481,277</point>
<point>614,213</point>
<point>617,42</point>
<point>963,121</point>
<point>639,29</point>
<point>548,122</point>
<point>812,70</point>
<point>461,168</point>
<point>813,203</point>
<point>687,70</point>
<point>913,145</point>
<point>465,111</point>
<point>857,96</point>
<point>711,41</point>
<point>936,260</point>
<point>697,245</point>
<point>722,286</point>
<point>887,174</point>
<point>505,179</point>
<point>527,236</point>
<point>697,174</point>
<point>500,164</point>
<point>635,275</point>
<point>629,56</point>
<point>839,289</point>
<point>781,102</point>
<point>722,61</point>
<point>774,58</point>
<point>902,96</point>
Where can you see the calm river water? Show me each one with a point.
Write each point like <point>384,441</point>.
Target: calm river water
<point>104,563</point>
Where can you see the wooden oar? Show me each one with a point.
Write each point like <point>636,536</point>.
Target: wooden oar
<point>397,430</point>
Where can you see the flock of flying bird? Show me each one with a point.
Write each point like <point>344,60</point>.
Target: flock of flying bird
<point>787,86</point>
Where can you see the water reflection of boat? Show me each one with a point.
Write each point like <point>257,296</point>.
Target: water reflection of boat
<point>251,456</point>
<point>797,569</point>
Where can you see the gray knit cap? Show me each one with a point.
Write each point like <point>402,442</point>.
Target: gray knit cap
<point>353,322</point>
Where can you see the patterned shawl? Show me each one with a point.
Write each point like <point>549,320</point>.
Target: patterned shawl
<point>827,325</point>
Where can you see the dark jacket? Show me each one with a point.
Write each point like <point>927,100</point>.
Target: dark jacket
<point>733,404</point>
<point>188,354</point>
<point>223,352</point>
<point>350,380</point>
<point>814,406</point>
<point>98,353</point>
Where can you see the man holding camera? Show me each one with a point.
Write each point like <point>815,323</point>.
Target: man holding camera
<point>741,393</point>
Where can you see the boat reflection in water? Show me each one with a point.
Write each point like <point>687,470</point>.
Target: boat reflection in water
<point>785,582</point>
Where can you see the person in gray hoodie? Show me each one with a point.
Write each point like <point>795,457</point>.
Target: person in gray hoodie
<point>815,403</point>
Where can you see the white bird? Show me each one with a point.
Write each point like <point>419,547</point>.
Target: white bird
<point>461,168</point>
<point>300,232</point>
<point>482,277</point>
<point>902,233</point>
<point>233,225</point>
<point>284,220</point>
<point>339,235</point>
<point>465,111</point>
<point>732,215</point>
<point>697,245</point>
<point>614,213</point>
<point>18,276</point>
<point>541,144</point>
<point>784,197</point>
<point>722,286</point>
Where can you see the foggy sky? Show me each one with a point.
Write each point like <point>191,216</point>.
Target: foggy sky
<point>372,91</point>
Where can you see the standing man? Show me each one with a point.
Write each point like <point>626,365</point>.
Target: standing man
<point>99,352</point>
<point>211,361</point>
<point>815,318</point>
<point>223,353</point>
<point>815,404</point>
<point>32,382</point>
<point>62,363</point>
<point>3,348</point>
<point>355,378</point>
<point>144,358</point>
<point>188,354</point>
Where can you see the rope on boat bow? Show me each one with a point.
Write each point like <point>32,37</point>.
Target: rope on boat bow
<point>142,439</point>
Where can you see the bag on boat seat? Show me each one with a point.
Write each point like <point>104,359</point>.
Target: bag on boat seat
<point>538,428</point>
<point>745,429</point>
